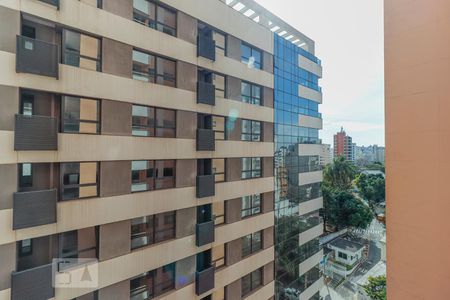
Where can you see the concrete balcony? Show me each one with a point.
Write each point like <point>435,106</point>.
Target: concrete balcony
<point>310,262</point>
<point>311,234</point>
<point>312,290</point>
<point>310,177</point>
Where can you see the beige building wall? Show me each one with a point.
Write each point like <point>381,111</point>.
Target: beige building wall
<point>417,76</point>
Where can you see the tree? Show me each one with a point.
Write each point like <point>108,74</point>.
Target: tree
<point>340,173</point>
<point>342,209</point>
<point>372,188</point>
<point>376,287</point>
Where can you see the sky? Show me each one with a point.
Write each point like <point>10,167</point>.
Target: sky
<point>349,41</point>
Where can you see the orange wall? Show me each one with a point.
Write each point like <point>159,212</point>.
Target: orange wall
<point>417,77</point>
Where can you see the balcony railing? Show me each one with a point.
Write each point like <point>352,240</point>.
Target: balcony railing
<point>205,140</point>
<point>51,2</point>
<point>204,281</point>
<point>205,186</point>
<point>206,47</point>
<point>206,93</point>
<point>32,284</point>
<point>204,233</point>
<point>36,57</point>
<point>34,208</point>
<point>35,133</point>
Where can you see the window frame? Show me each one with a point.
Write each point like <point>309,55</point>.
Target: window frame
<point>251,248</point>
<point>251,136</point>
<point>252,206</point>
<point>22,252</point>
<point>154,178</point>
<point>252,169</point>
<point>152,75</point>
<point>253,99</point>
<point>78,185</point>
<point>246,60</point>
<point>155,125</point>
<point>22,183</point>
<point>65,51</point>
<point>153,24</point>
<point>64,119</point>
<point>252,287</point>
<point>152,231</point>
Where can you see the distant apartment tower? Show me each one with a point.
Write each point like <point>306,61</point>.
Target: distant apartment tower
<point>326,156</point>
<point>343,146</point>
<point>140,134</point>
<point>417,173</point>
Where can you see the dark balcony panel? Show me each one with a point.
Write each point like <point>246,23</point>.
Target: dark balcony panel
<point>34,208</point>
<point>204,281</point>
<point>205,140</point>
<point>204,233</point>
<point>206,93</point>
<point>206,47</point>
<point>52,2</point>
<point>36,57</point>
<point>205,186</point>
<point>33,284</point>
<point>35,133</point>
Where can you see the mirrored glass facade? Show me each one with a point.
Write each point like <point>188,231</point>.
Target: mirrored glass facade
<point>289,220</point>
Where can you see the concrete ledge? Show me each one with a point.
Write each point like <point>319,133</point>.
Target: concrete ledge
<point>310,234</point>
<point>310,206</point>
<point>312,290</point>
<point>310,262</point>
<point>310,177</point>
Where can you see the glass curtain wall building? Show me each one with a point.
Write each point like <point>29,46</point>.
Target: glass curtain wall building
<point>297,172</point>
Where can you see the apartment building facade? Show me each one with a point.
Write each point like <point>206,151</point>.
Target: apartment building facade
<point>343,145</point>
<point>139,134</point>
<point>119,143</point>
<point>417,176</point>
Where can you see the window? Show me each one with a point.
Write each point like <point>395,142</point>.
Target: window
<point>80,115</point>
<point>153,284</point>
<point>152,229</point>
<point>79,180</point>
<point>165,279</point>
<point>251,131</point>
<point>251,282</point>
<point>342,255</point>
<point>219,169</point>
<point>155,16</point>
<point>142,287</point>
<point>218,256</point>
<point>27,104</point>
<point>251,167</point>
<point>81,50</point>
<point>78,243</point>
<point>219,213</point>
<point>149,121</point>
<point>251,205</point>
<point>251,56</point>
<point>155,69</point>
<point>251,243</point>
<point>25,248</point>
<point>150,175</point>
<point>251,93</point>
<point>221,43</point>
<point>218,125</point>
<point>219,84</point>
<point>25,175</point>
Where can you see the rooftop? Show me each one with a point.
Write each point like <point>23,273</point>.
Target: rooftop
<point>346,245</point>
<point>264,17</point>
